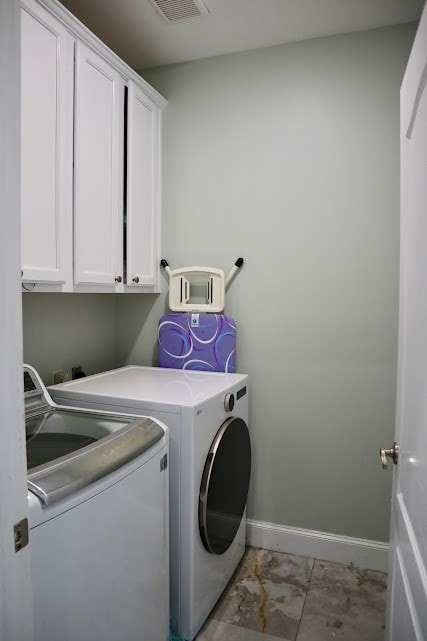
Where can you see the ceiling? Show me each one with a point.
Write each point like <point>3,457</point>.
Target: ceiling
<point>137,32</point>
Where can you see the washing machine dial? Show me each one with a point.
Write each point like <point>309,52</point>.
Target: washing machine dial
<point>229,402</point>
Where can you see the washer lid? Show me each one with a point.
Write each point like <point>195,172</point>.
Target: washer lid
<point>57,432</point>
<point>74,470</point>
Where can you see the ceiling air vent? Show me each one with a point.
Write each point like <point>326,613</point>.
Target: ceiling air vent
<point>177,10</point>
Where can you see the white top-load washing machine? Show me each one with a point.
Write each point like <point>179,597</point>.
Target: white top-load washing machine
<point>99,522</point>
<point>210,459</point>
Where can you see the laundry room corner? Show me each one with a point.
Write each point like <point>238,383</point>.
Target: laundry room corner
<point>296,168</point>
<point>214,328</point>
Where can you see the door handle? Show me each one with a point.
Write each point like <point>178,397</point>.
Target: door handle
<point>392,453</point>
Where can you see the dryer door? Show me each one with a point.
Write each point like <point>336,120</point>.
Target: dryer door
<point>224,486</point>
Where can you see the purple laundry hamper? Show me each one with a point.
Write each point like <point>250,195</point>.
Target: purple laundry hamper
<point>204,342</point>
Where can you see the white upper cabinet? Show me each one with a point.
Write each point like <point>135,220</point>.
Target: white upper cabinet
<point>90,156</point>
<point>47,59</point>
<point>143,189</point>
<point>98,170</point>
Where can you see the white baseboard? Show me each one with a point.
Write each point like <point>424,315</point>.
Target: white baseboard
<point>362,553</point>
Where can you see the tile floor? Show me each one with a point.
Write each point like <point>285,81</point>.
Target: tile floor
<point>275,596</point>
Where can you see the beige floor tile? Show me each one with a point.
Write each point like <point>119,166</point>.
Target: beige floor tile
<point>221,631</point>
<point>266,594</point>
<point>344,603</point>
<point>327,572</point>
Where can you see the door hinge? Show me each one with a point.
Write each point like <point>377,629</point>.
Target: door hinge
<point>20,533</point>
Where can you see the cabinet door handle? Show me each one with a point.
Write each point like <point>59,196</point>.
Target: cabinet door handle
<point>118,279</point>
<point>135,279</point>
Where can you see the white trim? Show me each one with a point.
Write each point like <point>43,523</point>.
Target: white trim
<point>362,553</point>
<point>16,611</point>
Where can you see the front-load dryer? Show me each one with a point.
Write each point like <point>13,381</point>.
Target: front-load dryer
<point>210,459</point>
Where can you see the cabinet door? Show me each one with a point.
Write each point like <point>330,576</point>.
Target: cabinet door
<point>47,60</point>
<point>143,175</point>
<point>98,171</point>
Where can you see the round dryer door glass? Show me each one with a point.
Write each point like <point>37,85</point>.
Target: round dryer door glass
<point>224,486</point>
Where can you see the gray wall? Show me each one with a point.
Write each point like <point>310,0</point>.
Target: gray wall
<point>288,156</point>
<point>62,330</point>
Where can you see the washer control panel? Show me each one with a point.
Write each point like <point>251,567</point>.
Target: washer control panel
<point>35,395</point>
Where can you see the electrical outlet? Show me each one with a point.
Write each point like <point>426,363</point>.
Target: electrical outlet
<point>61,376</point>
<point>58,376</point>
<point>76,371</point>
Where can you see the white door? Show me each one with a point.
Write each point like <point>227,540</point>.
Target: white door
<point>143,209</point>
<point>47,65</point>
<point>98,171</point>
<point>407,605</point>
<point>15,578</point>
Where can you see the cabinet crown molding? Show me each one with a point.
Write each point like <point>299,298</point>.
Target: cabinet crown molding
<point>80,31</point>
